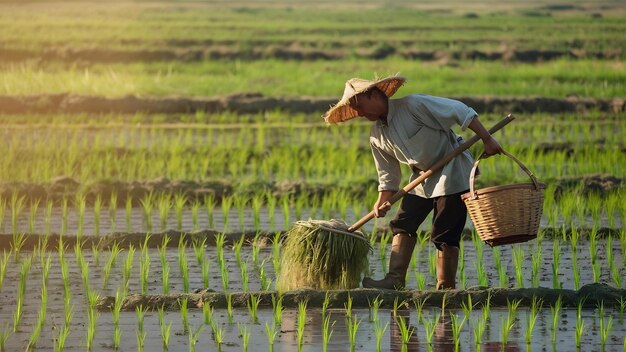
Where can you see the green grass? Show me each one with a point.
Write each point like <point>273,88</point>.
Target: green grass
<point>558,78</point>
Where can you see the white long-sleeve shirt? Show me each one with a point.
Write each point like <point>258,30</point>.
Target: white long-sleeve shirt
<point>418,133</point>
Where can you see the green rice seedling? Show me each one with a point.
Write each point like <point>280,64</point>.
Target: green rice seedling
<point>128,268</point>
<point>605,328</point>
<point>353,327</point>
<point>92,318</point>
<point>165,265</point>
<point>429,332</point>
<point>479,330</point>
<point>502,275</point>
<point>468,307</point>
<point>397,305</point>
<point>46,264</point>
<point>244,276</point>
<point>241,201</point>
<point>580,324</point>
<point>82,264</point>
<point>164,204</point>
<point>478,264</point>
<point>348,306</point>
<point>535,307</point>
<point>3,208</point>
<point>195,209</point>
<point>33,216</point>
<point>227,203</point>
<point>47,218</point>
<point>420,280</point>
<point>610,258</point>
<point>325,304</point>
<point>245,336</point>
<point>81,205</point>
<point>184,314</point>
<point>61,339</point>
<point>265,281</point>
<point>113,210</point>
<point>36,332</point>
<point>556,258</point>
<point>622,308</point>
<point>218,335</point>
<point>512,307</point>
<point>183,265</point>
<point>147,203</point>
<point>198,249</point>
<point>327,332</point>
<point>128,211</point>
<point>276,253</point>
<point>210,203</point>
<point>299,206</point>
<point>237,247</point>
<point>144,266</point>
<point>17,243</point>
<point>301,322</point>
<point>117,308</point>
<point>518,259</point>
<point>277,308</point>
<point>115,251</point>
<point>229,307</point>
<point>95,253</point>
<point>536,261</point>
<point>406,331</point>
<point>506,327</point>
<point>456,329</point>
<point>18,312</point>
<point>165,330</point>
<point>97,208</point>
<point>194,336</point>
<point>141,334</point>
<point>257,204</point>
<point>373,308</point>
<point>461,266</point>
<point>419,307</point>
<point>382,247</point>
<point>180,200</point>
<point>207,313</point>
<point>486,307</point>
<point>253,307</point>
<point>555,310</point>
<point>4,261</point>
<point>64,216</point>
<point>17,206</point>
<point>270,203</point>
<point>271,332</point>
<point>432,263</point>
<point>256,249</point>
<point>285,204</point>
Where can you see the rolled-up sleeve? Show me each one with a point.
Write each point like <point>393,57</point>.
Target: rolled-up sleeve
<point>443,113</point>
<point>388,167</point>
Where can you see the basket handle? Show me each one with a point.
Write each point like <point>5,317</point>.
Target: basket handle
<point>521,165</point>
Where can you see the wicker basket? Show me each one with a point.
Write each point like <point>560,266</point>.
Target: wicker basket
<point>506,214</point>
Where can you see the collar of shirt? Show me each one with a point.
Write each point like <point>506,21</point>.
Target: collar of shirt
<point>390,112</point>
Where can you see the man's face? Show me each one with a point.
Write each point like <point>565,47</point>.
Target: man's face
<point>368,105</point>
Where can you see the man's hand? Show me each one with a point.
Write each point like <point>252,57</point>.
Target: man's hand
<point>383,197</point>
<point>492,146</point>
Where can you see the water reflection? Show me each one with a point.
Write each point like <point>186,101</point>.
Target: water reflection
<point>400,328</point>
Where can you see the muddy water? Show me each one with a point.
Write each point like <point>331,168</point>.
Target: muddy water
<point>233,222</point>
<point>287,337</point>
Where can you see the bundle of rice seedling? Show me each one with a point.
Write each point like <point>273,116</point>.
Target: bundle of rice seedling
<point>322,255</point>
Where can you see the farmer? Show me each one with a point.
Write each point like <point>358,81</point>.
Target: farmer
<point>415,131</point>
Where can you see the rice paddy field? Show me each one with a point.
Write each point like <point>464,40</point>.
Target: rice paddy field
<point>155,154</point>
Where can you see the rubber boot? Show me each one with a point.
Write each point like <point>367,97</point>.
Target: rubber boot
<point>401,252</point>
<point>447,263</point>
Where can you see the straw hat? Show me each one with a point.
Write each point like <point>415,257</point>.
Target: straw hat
<point>342,111</point>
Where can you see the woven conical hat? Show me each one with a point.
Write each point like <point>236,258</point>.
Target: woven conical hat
<point>342,111</point>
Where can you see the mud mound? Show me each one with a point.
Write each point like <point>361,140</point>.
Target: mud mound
<point>591,296</point>
<point>600,184</point>
<point>253,103</point>
<point>194,51</point>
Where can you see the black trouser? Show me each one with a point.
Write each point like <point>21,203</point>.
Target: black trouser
<point>448,217</point>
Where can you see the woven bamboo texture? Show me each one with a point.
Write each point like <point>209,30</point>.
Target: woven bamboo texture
<point>506,214</point>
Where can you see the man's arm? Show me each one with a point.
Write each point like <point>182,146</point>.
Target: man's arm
<point>492,146</point>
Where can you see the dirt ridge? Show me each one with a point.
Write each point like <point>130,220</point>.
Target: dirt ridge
<point>252,103</point>
<point>289,52</point>
<point>590,295</point>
